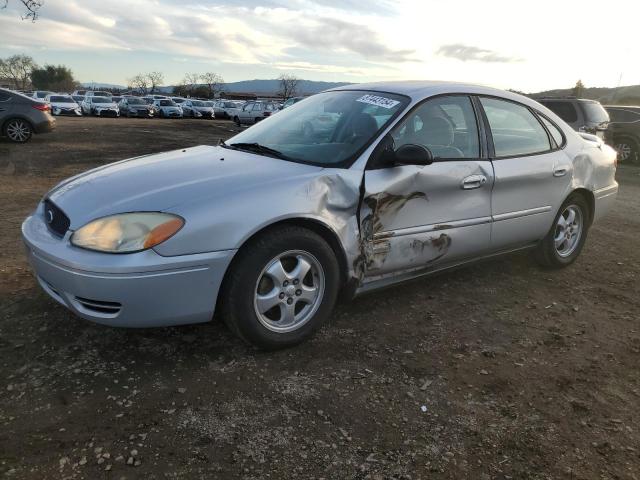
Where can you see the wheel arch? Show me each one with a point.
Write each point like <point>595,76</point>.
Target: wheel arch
<point>14,117</point>
<point>316,226</point>
<point>589,198</point>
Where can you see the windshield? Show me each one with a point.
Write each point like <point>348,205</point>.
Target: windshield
<point>327,129</point>
<point>59,99</point>
<point>197,103</point>
<point>101,100</point>
<point>167,103</point>
<point>595,112</point>
<point>136,101</point>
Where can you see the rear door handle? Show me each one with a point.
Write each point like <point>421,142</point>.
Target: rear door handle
<point>473,181</point>
<point>560,172</point>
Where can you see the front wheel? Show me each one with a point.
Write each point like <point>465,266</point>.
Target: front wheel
<point>18,130</point>
<point>566,238</point>
<point>281,288</point>
<point>237,121</point>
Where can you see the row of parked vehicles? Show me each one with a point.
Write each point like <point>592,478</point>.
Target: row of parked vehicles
<point>105,104</point>
<point>617,125</point>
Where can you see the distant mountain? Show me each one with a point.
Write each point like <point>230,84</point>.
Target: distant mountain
<point>617,95</point>
<point>102,86</point>
<point>270,87</point>
<point>305,87</point>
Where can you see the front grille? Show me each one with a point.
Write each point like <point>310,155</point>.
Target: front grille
<point>55,218</point>
<point>100,306</point>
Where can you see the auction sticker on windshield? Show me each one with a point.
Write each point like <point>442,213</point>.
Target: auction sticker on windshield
<point>378,101</point>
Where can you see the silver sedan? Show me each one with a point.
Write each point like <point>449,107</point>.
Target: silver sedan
<point>267,228</point>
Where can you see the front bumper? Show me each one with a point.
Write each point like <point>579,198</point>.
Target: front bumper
<point>137,290</point>
<point>107,112</point>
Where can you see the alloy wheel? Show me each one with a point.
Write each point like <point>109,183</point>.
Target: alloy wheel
<point>568,230</point>
<point>289,291</point>
<point>18,131</point>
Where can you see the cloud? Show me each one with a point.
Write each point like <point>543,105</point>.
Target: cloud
<point>468,53</point>
<point>332,33</point>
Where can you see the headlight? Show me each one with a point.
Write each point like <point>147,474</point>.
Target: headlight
<point>127,232</point>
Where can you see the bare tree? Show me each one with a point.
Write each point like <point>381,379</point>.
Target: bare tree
<point>140,82</point>
<point>190,82</point>
<point>32,7</point>
<point>288,85</point>
<point>155,79</point>
<point>213,81</point>
<point>18,68</point>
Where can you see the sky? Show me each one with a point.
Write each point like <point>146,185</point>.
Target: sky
<point>521,44</point>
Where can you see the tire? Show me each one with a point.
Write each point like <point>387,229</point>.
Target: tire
<point>628,150</point>
<point>237,121</point>
<point>265,303</point>
<point>550,253</point>
<point>17,130</point>
<point>161,114</point>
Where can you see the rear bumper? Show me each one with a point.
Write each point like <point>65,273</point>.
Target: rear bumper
<point>45,126</point>
<point>604,198</point>
<point>136,290</point>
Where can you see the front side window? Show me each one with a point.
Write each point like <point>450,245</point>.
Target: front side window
<point>446,126</point>
<point>515,130</point>
<point>328,129</point>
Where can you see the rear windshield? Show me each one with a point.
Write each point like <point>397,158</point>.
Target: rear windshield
<point>60,99</point>
<point>594,112</point>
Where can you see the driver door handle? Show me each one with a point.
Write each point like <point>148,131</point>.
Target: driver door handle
<point>473,181</point>
<point>560,172</point>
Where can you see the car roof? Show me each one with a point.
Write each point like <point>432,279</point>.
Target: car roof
<point>419,89</point>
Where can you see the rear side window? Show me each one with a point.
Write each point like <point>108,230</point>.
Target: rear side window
<point>553,130</point>
<point>565,110</point>
<point>515,130</point>
<point>594,112</point>
<point>623,115</point>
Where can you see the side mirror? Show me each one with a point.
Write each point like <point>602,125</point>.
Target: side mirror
<point>411,154</point>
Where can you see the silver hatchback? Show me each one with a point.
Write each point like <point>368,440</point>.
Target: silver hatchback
<point>403,180</point>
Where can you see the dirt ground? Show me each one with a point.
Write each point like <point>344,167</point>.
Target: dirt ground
<point>500,370</point>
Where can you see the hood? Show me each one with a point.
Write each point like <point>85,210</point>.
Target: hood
<point>159,182</point>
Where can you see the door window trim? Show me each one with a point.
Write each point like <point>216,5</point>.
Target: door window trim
<point>483,149</point>
<point>533,112</point>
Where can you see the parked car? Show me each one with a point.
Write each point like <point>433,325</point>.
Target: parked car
<point>135,107</point>
<point>625,129</point>
<point>41,94</point>
<point>227,109</point>
<point>417,177</point>
<point>196,109</point>
<point>253,112</point>
<point>581,114</point>
<point>167,108</point>
<point>97,93</point>
<point>100,107</point>
<point>63,105</point>
<point>291,101</point>
<point>22,116</point>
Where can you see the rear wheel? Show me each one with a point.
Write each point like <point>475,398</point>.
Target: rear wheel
<point>566,238</point>
<point>281,288</point>
<point>627,150</point>
<point>18,130</point>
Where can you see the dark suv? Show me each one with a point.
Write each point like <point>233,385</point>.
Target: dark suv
<point>625,128</point>
<point>581,114</point>
<point>21,116</point>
